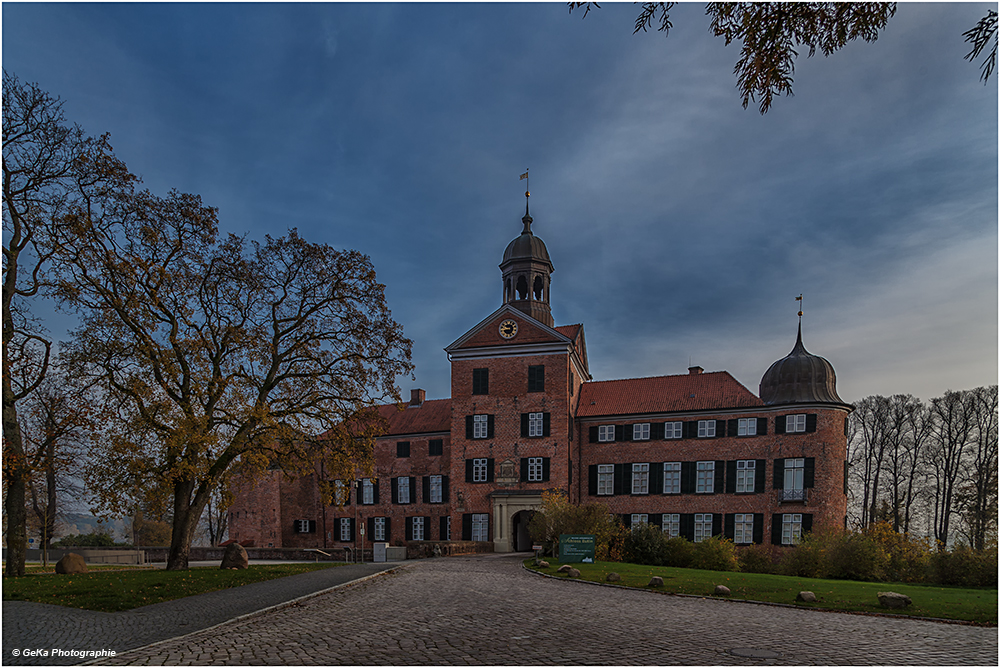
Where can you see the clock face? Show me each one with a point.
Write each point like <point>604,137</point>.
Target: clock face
<point>508,328</point>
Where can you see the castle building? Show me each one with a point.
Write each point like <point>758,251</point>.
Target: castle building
<point>697,454</point>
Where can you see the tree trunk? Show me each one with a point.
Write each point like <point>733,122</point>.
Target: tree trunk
<point>15,471</point>
<point>185,523</point>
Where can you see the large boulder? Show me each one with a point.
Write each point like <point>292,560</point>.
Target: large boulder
<point>655,581</point>
<point>722,590</point>
<point>565,568</point>
<point>234,557</point>
<point>890,599</point>
<point>572,573</point>
<point>71,564</point>
<point>806,597</point>
<point>613,577</point>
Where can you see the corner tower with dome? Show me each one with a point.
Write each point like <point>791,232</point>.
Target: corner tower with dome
<point>696,453</point>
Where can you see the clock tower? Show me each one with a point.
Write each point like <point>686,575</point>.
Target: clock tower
<point>526,270</point>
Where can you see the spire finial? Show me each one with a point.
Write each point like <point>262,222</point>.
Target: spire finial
<point>527,193</point>
<point>799,300</point>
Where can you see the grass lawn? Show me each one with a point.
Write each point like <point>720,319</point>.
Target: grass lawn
<point>971,605</point>
<point>113,591</point>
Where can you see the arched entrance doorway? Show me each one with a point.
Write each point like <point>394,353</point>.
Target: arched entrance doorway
<point>520,537</point>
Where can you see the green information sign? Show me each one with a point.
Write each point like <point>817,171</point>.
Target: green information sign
<point>575,548</point>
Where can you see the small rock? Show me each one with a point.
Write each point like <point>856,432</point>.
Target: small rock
<point>890,599</point>
<point>613,577</point>
<point>806,597</point>
<point>565,568</point>
<point>543,564</point>
<point>722,590</point>
<point>655,581</point>
<point>235,557</point>
<point>71,564</point>
<point>572,573</point>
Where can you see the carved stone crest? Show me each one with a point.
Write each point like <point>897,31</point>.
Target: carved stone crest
<point>507,473</point>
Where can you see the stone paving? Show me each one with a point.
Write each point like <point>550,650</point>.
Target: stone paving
<point>487,610</point>
<point>37,626</point>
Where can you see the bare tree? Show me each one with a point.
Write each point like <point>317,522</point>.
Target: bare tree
<point>871,427</point>
<point>977,497</point>
<point>953,419</point>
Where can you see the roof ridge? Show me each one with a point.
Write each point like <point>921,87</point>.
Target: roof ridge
<point>669,375</point>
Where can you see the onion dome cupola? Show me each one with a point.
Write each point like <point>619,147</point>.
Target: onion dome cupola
<point>800,377</point>
<point>526,271</point>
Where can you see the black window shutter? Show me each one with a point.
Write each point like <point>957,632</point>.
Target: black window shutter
<point>656,519</point>
<point>593,434</point>
<point>489,470</point>
<point>443,528</point>
<point>730,478</point>
<point>729,528</point>
<point>762,426</point>
<point>546,423</point>
<point>846,423</point>
<point>689,477</point>
<point>627,520</point>
<point>371,528</point>
<point>409,529</point>
<point>524,425</point>
<point>655,478</point>
<point>809,472</point>
<point>810,423</point>
<point>524,469</point>
<point>353,530</point>
<point>776,529</point>
<point>807,522</point>
<point>426,489</point>
<point>312,524</point>
<point>467,526</point>
<point>758,477</point>
<point>779,474</point>
<point>779,427</point>
<point>720,428</point>
<point>545,468</point>
<point>619,487</point>
<point>295,526</point>
<point>592,480</point>
<point>388,533</point>
<point>361,491</point>
<point>847,468</point>
<point>395,490</point>
<point>413,491</point>
<point>444,489</point>
<point>468,426</point>
<point>720,477</point>
<point>375,490</point>
<point>468,470</point>
<point>489,427</point>
<point>758,528</point>
<point>656,431</point>
<point>686,528</point>
<point>691,431</point>
<point>716,524</point>
<point>733,427</point>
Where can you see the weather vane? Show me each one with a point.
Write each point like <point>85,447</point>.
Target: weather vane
<point>799,300</point>
<point>527,191</point>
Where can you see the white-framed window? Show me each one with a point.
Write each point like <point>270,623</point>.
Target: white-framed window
<point>706,478</point>
<point>535,469</point>
<point>367,492</point>
<point>743,528</point>
<point>480,426</point>
<point>794,472</point>
<point>480,526</point>
<point>403,489</point>
<point>606,433</point>
<point>706,428</point>
<point>671,477</point>
<point>673,430</point>
<point>479,470</point>
<point>605,479</point>
<point>791,528</point>
<point>639,518</point>
<point>795,424</point>
<point>378,535</point>
<point>418,528</point>
<point>536,424</point>
<point>435,491</point>
<point>345,529</point>
<point>747,427</point>
<point>302,526</point>
<point>702,526</point>
<point>672,525</point>
<point>340,492</point>
<point>640,432</point>
<point>746,478</point>
<point>640,478</point>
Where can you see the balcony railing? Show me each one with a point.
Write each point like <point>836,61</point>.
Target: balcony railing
<point>793,496</point>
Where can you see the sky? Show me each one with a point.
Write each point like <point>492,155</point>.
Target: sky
<point>681,225</point>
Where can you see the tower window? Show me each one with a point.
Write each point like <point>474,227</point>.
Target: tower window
<point>537,288</point>
<point>522,288</point>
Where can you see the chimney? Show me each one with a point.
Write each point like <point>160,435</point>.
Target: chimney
<point>417,397</point>
<point>695,370</point>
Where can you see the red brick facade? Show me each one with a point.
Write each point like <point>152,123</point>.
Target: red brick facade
<point>525,416</point>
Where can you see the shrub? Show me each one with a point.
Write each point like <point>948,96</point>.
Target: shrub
<point>906,558</point>
<point>645,544</point>
<point>558,516</point>
<point>851,556</point>
<point>755,559</point>
<point>805,560</point>
<point>965,567</point>
<point>93,539</point>
<point>715,554</point>
<point>678,552</point>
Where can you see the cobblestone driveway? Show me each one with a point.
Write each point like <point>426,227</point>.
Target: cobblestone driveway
<point>487,610</point>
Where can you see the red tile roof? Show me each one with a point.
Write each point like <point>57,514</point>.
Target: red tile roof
<point>433,415</point>
<point>664,394</point>
<point>569,331</point>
